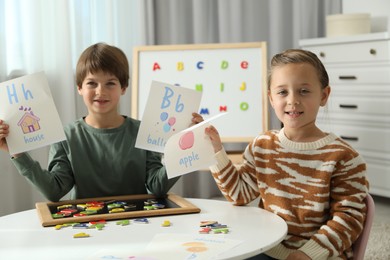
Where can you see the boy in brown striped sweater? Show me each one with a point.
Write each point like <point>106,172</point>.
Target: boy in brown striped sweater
<point>314,180</point>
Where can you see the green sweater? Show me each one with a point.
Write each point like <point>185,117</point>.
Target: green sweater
<point>97,163</point>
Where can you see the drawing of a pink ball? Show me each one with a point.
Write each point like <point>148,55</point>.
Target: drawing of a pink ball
<point>172,121</point>
<point>186,141</point>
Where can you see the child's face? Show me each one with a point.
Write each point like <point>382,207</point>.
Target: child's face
<point>296,94</point>
<point>101,93</point>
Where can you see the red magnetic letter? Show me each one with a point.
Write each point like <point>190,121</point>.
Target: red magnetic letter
<point>244,64</point>
<point>156,66</point>
<point>222,108</point>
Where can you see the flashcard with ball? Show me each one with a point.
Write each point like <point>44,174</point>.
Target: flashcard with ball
<point>168,111</point>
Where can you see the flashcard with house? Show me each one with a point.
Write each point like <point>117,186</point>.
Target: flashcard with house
<point>26,104</point>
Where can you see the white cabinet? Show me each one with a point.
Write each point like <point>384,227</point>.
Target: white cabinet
<point>358,109</point>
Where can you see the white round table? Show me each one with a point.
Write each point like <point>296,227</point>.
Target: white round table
<point>23,237</point>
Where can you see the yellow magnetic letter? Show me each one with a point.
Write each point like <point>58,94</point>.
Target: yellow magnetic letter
<point>243,86</point>
<point>180,66</point>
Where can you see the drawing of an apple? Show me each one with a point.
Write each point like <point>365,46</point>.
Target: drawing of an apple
<point>186,140</point>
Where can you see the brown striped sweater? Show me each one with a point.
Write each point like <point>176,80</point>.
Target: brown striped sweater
<point>318,188</point>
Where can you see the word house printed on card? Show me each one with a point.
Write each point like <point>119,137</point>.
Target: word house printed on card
<point>26,104</point>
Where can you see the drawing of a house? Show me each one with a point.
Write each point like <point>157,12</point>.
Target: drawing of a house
<point>29,123</point>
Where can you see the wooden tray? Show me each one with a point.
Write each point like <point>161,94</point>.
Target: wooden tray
<point>174,205</point>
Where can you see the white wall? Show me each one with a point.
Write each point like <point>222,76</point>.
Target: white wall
<point>379,10</point>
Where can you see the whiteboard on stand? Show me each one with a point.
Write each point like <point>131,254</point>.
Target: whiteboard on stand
<point>231,77</point>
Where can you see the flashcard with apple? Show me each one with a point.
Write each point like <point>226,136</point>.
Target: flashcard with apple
<point>190,150</point>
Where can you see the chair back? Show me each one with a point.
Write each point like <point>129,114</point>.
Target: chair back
<point>360,245</point>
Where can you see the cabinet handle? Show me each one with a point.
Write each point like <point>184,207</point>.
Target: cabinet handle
<point>349,138</point>
<point>347,77</point>
<point>372,51</point>
<point>348,106</point>
<point>322,54</point>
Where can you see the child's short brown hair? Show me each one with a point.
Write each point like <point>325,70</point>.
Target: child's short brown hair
<point>105,58</point>
<point>299,56</point>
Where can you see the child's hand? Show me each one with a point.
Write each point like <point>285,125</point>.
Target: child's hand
<point>4,131</point>
<point>212,132</point>
<point>298,255</point>
<point>196,118</point>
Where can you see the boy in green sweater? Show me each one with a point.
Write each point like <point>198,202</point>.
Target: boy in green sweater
<point>98,157</point>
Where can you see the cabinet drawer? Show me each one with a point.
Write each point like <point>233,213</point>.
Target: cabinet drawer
<point>371,51</point>
<point>372,92</point>
<point>362,138</point>
<point>359,75</point>
<point>327,120</point>
<point>379,178</point>
<point>359,106</point>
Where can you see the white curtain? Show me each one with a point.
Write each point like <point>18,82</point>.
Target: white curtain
<point>49,36</point>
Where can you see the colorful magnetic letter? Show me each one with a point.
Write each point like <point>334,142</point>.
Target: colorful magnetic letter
<point>244,64</point>
<point>224,64</point>
<point>156,66</point>
<point>180,66</point>
<point>243,86</point>
<point>222,87</point>
<point>222,108</point>
<point>244,106</point>
<point>204,111</point>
